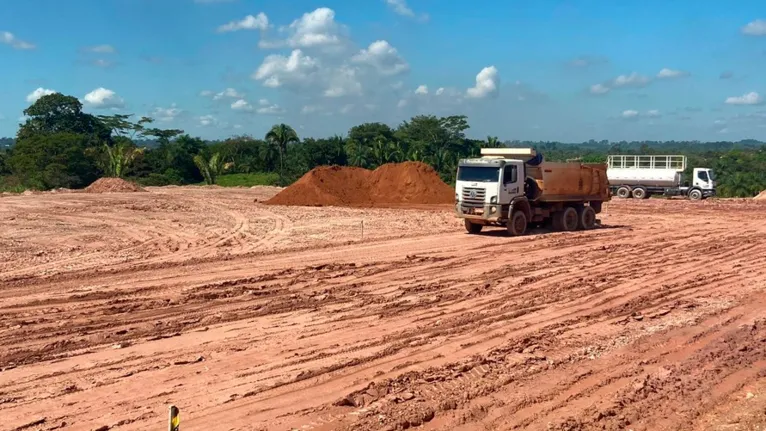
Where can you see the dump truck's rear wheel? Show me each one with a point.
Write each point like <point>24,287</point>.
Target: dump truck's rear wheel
<point>473,228</point>
<point>569,219</point>
<point>517,225</point>
<point>623,192</point>
<point>587,218</point>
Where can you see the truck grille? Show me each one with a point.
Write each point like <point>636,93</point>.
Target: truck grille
<point>473,197</point>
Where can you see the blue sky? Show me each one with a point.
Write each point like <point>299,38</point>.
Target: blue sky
<point>544,70</point>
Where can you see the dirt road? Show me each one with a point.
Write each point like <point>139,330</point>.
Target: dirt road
<point>252,317</point>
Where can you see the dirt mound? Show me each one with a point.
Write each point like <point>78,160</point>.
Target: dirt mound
<point>113,185</point>
<point>409,182</point>
<point>393,183</point>
<point>761,196</point>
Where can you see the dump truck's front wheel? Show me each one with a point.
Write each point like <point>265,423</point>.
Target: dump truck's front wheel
<point>472,228</point>
<point>517,225</point>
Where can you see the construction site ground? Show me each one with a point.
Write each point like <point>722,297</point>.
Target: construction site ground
<point>250,317</point>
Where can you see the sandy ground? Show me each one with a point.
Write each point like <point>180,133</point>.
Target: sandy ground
<point>254,317</point>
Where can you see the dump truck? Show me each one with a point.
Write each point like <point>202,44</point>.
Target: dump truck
<point>640,176</point>
<point>516,187</point>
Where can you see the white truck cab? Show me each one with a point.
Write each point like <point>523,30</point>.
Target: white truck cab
<point>483,185</point>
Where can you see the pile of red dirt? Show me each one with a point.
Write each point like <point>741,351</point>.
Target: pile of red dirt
<point>113,185</point>
<point>393,183</point>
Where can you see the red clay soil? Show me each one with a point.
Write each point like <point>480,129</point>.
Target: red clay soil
<point>393,183</point>
<point>113,185</point>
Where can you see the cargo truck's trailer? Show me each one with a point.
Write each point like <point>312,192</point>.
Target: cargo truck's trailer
<point>645,175</point>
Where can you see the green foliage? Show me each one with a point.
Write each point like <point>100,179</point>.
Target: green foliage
<point>281,136</point>
<point>210,168</point>
<point>61,146</point>
<point>46,161</point>
<point>56,113</point>
<point>248,180</point>
<point>119,157</point>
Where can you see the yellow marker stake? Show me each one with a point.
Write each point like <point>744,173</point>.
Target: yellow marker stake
<point>175,420</point>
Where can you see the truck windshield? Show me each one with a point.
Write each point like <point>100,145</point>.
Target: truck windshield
<point>478,174</point>
<point>711,174</point>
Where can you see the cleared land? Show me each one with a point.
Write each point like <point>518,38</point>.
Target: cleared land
<point>249,316</point>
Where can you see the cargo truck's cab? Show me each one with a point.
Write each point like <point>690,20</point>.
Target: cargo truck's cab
<point>703,184</point>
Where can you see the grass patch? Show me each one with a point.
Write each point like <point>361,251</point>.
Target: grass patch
<point>248,180</point>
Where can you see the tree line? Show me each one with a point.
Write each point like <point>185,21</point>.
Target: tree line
<point>59,145</point>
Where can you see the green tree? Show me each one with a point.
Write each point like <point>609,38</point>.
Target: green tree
<point>120,156</point>
<point>209,168</point>
<point>57,113</point>
<point>280,136</point>
<point>45,161</point>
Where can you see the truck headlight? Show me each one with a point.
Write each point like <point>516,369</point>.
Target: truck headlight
<point>493,200</point>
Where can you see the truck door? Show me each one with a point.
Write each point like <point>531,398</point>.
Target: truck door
<point>512,182</point>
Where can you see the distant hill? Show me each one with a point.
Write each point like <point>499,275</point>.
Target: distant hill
<point>6,142</point>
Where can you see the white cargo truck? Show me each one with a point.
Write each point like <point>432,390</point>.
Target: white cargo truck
<point>515,187</point>
<point>642,176</point>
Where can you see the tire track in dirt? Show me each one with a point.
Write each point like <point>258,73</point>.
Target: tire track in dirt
<point>432,317</point>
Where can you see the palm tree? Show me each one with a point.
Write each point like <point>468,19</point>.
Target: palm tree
<point>280,136</point>
<point>119,157</point>
<point>210,168</point>
<point>492,142</point>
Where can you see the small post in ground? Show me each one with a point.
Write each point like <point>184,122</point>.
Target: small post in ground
<point>174,420</point>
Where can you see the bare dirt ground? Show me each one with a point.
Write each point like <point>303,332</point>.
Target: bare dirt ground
<point>252,317</point>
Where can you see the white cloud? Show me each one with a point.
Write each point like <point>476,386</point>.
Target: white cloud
<point>751,98</point>
<point>440,91</point>
<point>250,22</point>
<point>400,7</point>
<point>103,63</point>
<point>755,28</point>
<point>37,94</point>
<point>103,98</point>
<point>630,114</point>
<point>207,120</point>
<point>272,109</point>
<point>344,82</point>
<point>101,49</point>
<point>632,80</point>
<point>241,105</point>
<point>670,73</point>
<point>10,39</point>
<point>205,93</point>
<point>383,57</point>
<point>316,29</point>
<point>423,89</point>
<point>296,70</point>
<point>487,84</point>
<point>653,113</point>
<point>402,103</point>
<point>166,115</point>
<point>587,61</point>
<point>599,89</point>
<point>230,93</point>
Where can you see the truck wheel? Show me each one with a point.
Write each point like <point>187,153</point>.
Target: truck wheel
<point>472,228</point>
<point>587,218</point>
<point>517,225</point>
<point>695,195</point>
<point>623,192</point>
<point>566,220</point>
<point>639,193</point>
